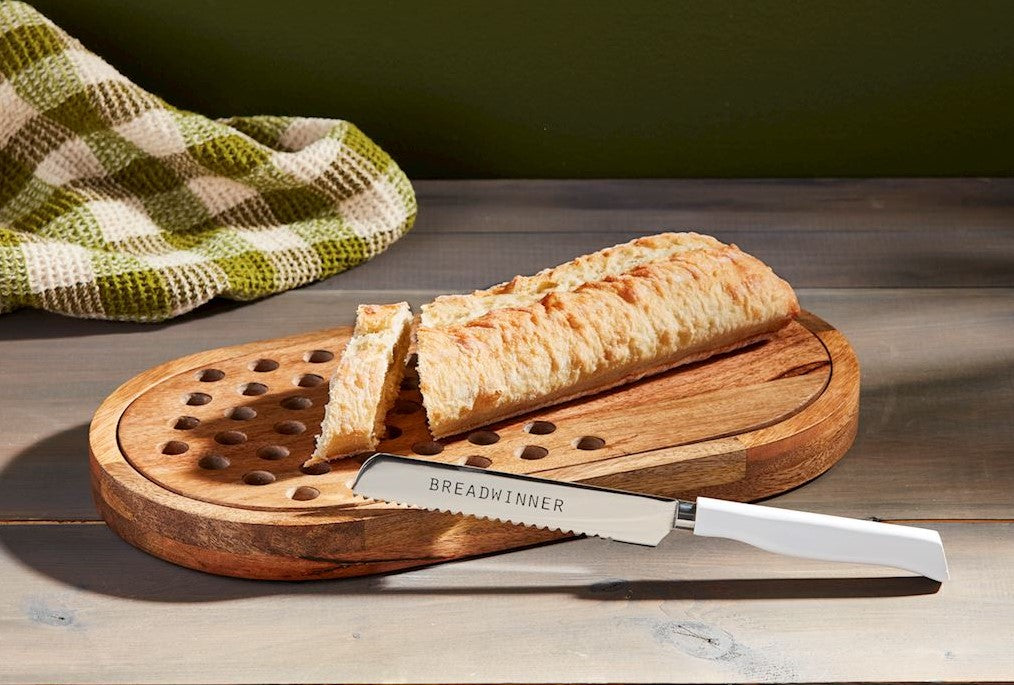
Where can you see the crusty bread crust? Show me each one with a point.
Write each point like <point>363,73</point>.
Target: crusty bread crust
<point>597,322</point>
<point>366,382</point>
<point>521,291</point>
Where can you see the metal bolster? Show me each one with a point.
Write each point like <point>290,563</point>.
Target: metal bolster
<point>686,513</point>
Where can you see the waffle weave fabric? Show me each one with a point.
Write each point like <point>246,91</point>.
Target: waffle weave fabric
<point>116,205</point>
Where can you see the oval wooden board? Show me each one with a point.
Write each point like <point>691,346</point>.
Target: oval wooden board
<point>174,452</point>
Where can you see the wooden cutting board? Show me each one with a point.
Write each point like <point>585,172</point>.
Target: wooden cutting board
<point>198,461</point>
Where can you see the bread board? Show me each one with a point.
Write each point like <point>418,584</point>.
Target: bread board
<point>198,460</point>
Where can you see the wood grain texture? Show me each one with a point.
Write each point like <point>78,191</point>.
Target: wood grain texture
<point>167,439</point>
<point>814,233</point>
<point>153,483</point>
<point>934,443</point>
<point>457,262</point>
<point>919,397</point>
<point>774,207</point>
<point>81,606</point>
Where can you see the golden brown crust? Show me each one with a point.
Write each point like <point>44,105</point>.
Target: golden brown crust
<point>679,298</point>
<point>365,382</point>
<point>522,291</point>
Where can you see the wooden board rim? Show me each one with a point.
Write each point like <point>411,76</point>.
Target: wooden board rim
<point>114,480</point>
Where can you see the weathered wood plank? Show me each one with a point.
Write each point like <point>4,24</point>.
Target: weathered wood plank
<point>80,606</point>
<point>917,206</point>
<point>839,258</point>
<point>935,430</point>
<point>934,443</point>
<point>816,233</point>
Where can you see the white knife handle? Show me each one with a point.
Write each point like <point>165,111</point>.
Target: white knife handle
<point>818,536</point>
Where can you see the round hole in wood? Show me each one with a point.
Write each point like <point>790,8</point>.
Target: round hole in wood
<point>196,399</point>
<point>477,461</point>
<point>297,402</point>
<point>252,389</point>
<point>185,423</point>
<point>290,427</point>
<point>273,452</point>
<point>304,493</point>
<point>210,375</point>
<point>214,462</point>
<point>230,438</point>
<point>540,427</point>
<point>242,413</point>
<point>406,407</point>
<point>318,356</point>
<point>259,478</point>
<point>309,380</point>
<point>317,469</point>
<point>483,438</point>
<point>263,365</point>
<point>589,442</point>
<point>428,447</point>
<point>392,432</point>
<point>532,452</point>
<point>175,447</point>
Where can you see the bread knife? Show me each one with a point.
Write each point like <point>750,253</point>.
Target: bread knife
<point>582,509</point>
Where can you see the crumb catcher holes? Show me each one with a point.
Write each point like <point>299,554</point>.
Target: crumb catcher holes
<point>304,493</point>
<point>590,442</point>
<point>318,356</point>
<point>174,447</point>
<point>197,399</point>
<point>264,365</point>
<point>318,469</point>
<point>210,375</point>
<point>185,423</point>
<point>273,452</point>
<point>242,413</point>
<point>532,452</point>
<point>253,389</point>
<point>297,402</point>
<point>483,438</point>
<point>309,380</point>
<point>230,438</point>
<point>289,427</point>
<point>214,462</point>
<point>540,427</point>
<point>477,461</point>
<point>259,478</point>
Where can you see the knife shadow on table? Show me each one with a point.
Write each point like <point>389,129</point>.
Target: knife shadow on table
<point>90,557</point>
<point>718,589</point>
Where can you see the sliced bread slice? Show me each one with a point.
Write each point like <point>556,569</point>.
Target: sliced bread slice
<point>366,382</point>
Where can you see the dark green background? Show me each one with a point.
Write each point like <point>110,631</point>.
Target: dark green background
<point>626,88</point>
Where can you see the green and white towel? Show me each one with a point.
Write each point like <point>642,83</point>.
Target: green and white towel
<point>116,205</point>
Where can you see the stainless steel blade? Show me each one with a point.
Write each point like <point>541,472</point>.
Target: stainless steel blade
<point>518,499</point>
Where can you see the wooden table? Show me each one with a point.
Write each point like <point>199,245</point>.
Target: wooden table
<point>918,274</point>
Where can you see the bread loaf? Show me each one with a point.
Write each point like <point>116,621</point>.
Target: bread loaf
<point>366,382</point>
<point>596,322</point>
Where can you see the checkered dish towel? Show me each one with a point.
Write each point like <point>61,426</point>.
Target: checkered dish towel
<point>116,205</point>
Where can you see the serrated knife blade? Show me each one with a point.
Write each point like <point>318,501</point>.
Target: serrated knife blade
<point>518,499</point>
<point>644,519</point>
